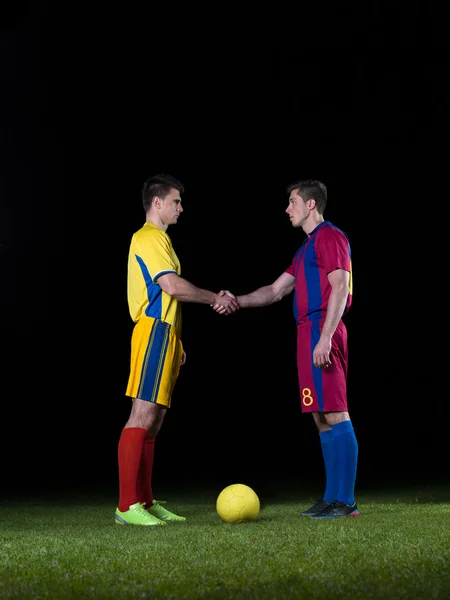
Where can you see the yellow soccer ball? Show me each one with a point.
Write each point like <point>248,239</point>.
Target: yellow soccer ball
<point>237,503</point>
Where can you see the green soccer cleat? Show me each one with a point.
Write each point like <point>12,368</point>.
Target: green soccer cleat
<point>136,515</point>
<point>162,513</point>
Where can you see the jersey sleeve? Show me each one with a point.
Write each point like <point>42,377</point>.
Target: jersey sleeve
<point>334,250</point>
<point>156,252</point>
<point>291,269</point>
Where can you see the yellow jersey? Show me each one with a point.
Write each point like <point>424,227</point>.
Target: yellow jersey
<point>151,255</point>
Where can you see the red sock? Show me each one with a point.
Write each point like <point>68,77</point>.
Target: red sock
<point>130,452</point>
<point>144,485</point>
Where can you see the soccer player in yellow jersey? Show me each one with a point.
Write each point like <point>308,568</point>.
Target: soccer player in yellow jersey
<point>156,291</point>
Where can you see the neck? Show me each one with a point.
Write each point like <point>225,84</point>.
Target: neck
<point>155,220</point>
<point>311,222</point>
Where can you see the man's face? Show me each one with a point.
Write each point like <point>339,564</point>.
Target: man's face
<point>297,209</point>
<point>171,207</point>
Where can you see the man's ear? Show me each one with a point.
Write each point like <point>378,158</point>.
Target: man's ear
<point>157,201</point>
<point>312,203</point>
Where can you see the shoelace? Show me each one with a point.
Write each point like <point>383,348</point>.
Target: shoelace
<point>331,507</point>
<point>155,503</point>
<point>140,510</point>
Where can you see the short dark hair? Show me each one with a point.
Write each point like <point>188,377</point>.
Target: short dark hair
<point>159,185</point>
<point>311,189</point>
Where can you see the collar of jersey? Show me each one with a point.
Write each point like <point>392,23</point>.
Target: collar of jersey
<point>318,227</point>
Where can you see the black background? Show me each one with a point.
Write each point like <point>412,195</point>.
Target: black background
<point>236,106</point>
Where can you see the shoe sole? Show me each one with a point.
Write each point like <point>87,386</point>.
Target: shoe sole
<point>119,521</point>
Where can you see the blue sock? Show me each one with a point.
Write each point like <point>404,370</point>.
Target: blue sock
<point>329,457</point>
<point>346,460</point>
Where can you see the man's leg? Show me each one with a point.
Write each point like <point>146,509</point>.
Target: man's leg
<point>131,444</point>
<point>144,480</point>
<point>144,485</point>
<point>346,463</point>
<point>347,459</point>
<point>130,454</point>
<point>329,458</point>
<point>151,414</point>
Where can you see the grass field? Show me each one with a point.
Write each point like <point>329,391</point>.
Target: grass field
<point>69,547</point>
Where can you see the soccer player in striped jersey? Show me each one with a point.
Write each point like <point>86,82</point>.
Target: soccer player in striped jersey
<point>156,291</point>
<point>320,275</point>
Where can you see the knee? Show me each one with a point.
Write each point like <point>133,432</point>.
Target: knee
<point>336,417</point>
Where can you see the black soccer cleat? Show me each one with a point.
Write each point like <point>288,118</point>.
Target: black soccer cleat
<point>337,509</point>
<point>318,507</point>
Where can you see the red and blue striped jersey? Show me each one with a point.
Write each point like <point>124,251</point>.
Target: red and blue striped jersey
<point>326,249</point>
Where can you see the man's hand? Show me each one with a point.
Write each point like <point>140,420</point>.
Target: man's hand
<point>321,354</point>
<point>226,303</point>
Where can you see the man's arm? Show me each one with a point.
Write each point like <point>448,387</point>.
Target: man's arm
<point>339,281</point>
<point>262,296</point>
<point>268,294</point>
<point>185,291</point>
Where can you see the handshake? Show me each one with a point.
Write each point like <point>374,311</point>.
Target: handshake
<point>226,303</point>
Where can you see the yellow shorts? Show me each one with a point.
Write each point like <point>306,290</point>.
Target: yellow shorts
<point>155,361</point>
